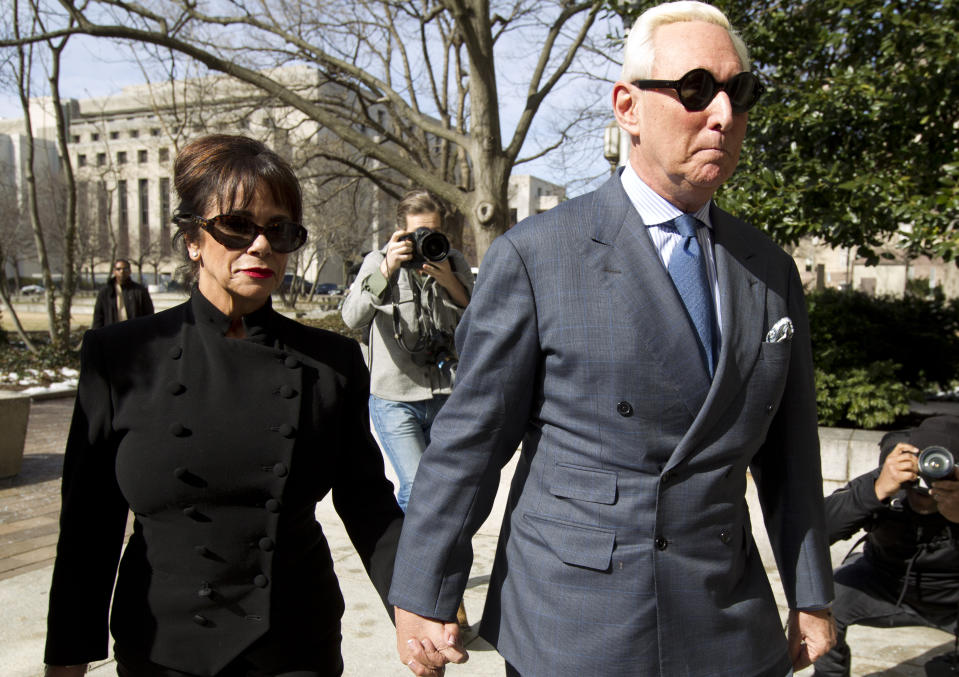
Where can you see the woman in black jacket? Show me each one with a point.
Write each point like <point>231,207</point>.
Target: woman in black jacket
<point>219,423</point>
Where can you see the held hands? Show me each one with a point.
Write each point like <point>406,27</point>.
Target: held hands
<point>426,645</point>
<point>810,634</point>
<point>902,465</point>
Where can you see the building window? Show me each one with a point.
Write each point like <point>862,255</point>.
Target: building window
<point>155,131</point>
<point>75,138</point>
<point>141,156</point>
<point>94,137</point>
<point>143,195</point>
<point>101,159</point>
<point>114,135</point>
<point>134,133</point>
<point>81,160</point>
<point>164,155</point>
<point>165,215</point>
<point>121,157</point>
<point>123,214</point>
<point>512,217</point>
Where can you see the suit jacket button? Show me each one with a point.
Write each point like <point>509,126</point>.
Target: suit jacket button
<point>201,550</point>
<point>201,620</point>
<point>668,477</point>
<point>286,430</point>
<point>769,408</point>
<point>291,362</point>
<point>280,470</point>
<point>205,591</point>
<point>178,430</point>
<point>661,543</point>
<point>272,505</point>
<point>260,581</point>
<point>190,511</point>
<point>175,387</point>
<point>265,544</point>
<point>725,536</point>
<point>180,472</point>
<point>286,392</point>
<point>175,352</point>
<point>624,408</point>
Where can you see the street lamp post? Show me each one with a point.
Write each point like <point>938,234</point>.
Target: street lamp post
<point>611,145</point>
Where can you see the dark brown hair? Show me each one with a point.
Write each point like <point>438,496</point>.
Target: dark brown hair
<point>420,201</point>
<point>227,170</point>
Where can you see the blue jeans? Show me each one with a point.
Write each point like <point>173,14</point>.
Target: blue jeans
<point>404,432</point>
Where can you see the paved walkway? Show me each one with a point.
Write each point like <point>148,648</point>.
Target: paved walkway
<point>29,505</point>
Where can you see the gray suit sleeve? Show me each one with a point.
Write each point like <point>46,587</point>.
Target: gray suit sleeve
<point>475,434</point>
<point>788,475</point>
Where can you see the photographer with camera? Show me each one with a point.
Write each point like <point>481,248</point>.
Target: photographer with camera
<point>908,572</point>
<point>410,295</point>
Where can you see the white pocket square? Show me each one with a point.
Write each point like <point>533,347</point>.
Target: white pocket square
<point>781,331</point>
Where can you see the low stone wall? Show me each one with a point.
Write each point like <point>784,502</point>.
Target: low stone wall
<point>847,453</point>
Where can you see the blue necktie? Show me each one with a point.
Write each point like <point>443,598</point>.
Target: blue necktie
<point>688,271</point>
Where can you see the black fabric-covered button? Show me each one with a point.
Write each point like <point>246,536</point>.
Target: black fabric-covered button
<point>175,387</point>
<point>201,550</point>
<point>286,430</point>
<point>205,591</point>
<point>661,543</point>
<point>260,581</point>
<point>190,511</point>
<point>725,536</point>
<point>272,505</point>
<point>280,470</point>
<point>769,408</point>
<point>265,544</point>
<point>180,472</point>
<point>199,619</point>
<point>287,391</point>
<point>176,352</point>
<point>624,408</point>
<point>178,430</point>
<point>291,362</point>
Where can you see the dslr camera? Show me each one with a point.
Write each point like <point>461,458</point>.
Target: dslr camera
<point>429,246</point>
<point>936,463</point>
<point>437,349</point>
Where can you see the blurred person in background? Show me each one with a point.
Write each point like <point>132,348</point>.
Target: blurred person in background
<point>121,298</point>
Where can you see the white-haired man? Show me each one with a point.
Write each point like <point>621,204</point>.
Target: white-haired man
<point>647,349</point>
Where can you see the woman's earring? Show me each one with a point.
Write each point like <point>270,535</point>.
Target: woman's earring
<point>194,253</point>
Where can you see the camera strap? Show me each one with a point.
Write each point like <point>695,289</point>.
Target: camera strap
<point>423,322</point>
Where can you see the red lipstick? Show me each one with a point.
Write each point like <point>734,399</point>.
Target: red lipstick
<point>258,273</point>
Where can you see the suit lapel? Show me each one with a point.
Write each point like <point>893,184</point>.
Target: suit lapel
<point>655,310</point>
<point>742,296</point>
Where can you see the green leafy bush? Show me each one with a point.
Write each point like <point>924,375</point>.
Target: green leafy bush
<point>872,354</point>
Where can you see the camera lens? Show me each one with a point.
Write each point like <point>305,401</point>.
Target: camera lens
<point>935,463</point>
<point>434,246</point>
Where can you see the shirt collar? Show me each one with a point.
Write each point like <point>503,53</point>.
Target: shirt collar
<point>653,208</point>
<point>257,324</point>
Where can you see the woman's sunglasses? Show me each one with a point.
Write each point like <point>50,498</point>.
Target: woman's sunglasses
<point>698,87</point>
<point>235,231</point>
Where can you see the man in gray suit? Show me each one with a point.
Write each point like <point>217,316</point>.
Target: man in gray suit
<point>646,360</point>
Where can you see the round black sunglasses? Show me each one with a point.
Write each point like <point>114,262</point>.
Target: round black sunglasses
<point>698,88</point>
<point>235,231</point>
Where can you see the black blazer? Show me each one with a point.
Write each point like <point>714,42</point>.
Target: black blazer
<point>221,449</point>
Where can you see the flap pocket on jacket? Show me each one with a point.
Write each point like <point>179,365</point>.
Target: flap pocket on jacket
<point>582,483</point>
<point>582,546</point>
